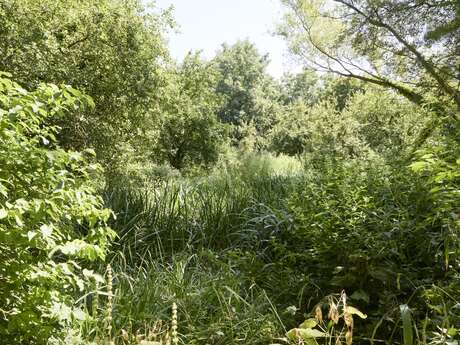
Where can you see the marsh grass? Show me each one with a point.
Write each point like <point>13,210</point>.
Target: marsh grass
<point>197,213</point>
<point>182,241</point>
<point>213,303</point>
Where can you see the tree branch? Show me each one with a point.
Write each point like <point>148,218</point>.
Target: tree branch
<point>429,68</point>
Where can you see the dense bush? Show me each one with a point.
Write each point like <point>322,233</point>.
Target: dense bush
<point>380,232</point>
<point>51,221</point>
<point>319,130</point>
<point>376,232</point>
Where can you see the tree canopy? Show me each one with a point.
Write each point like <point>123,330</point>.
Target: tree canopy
<point>409,46</point>
<point>112,50</point>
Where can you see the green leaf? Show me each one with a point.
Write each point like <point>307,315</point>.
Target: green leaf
<point>18,221</point>
<point>80,249</point>
<point>90,274</point>
<point>305,333</point>
<point>311,333</point>
<point>452,331</point>
<point>31,235</point>
<point>407,324</point>
<point>418,166</point>
<point>309,323</point>
<point>46,231</point>
<point>3,213</point>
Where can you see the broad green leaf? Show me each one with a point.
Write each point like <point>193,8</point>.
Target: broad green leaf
<point>305,333</point>
<point>30,170</point>
<point>309,323</point>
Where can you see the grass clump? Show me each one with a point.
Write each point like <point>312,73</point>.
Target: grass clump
<point>213,301</point>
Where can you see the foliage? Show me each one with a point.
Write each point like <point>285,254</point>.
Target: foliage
<point>311,88</point>
<point>319,130</point>
<point>439,166</point>
<point>388,123</point>
<point>374,120</point>
<point>249,93</point>
<point>381,42</point>
<point>292,133</point>
<point>213,304</point>
<point>329,184</point>
<point>110,49</point>
<point>51,221</point>
<point>193,241</point>
<point>340,324</point>
<point>188,131</point>
<point>303,86</point>
<point>372,230</point>
<point>201,212</point>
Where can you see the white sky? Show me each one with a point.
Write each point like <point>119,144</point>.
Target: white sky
<point>206,24</point>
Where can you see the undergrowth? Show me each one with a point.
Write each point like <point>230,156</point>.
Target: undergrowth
<point>248,252</point>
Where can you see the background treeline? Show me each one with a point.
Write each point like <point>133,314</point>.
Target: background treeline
<point>243,199</point>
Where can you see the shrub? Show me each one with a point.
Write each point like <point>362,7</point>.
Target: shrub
<point>51,221</point>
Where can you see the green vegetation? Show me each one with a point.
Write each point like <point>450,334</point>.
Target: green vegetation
<point>204,202</point>
<point>50,217</point>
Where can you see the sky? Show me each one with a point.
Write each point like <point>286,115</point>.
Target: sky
<point>206,24</point>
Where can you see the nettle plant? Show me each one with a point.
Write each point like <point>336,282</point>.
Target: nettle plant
<point>52,223</point>
<point>336,328</point>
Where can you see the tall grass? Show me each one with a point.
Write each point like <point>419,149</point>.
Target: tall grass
<point>247,250</point>
<point>212,212</point>
<point>188,241</point>
<point>214,305</point>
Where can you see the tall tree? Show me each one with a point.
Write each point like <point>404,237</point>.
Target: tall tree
<point>311,88</point>
<point>110,49</point>
<point>250,94</point>
<point>187,131</point>
<point>411,46</point>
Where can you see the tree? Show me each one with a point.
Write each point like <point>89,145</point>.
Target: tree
<point>409,46</point>
<point>319,130</point>
<point>302,86</point>
<point>188,130</point>
<point>50,216</point>
<point>389,123</point>
<point>312,88</point>
<point>292,133</point>
<point>250,94</point>
<point>110,49</point>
